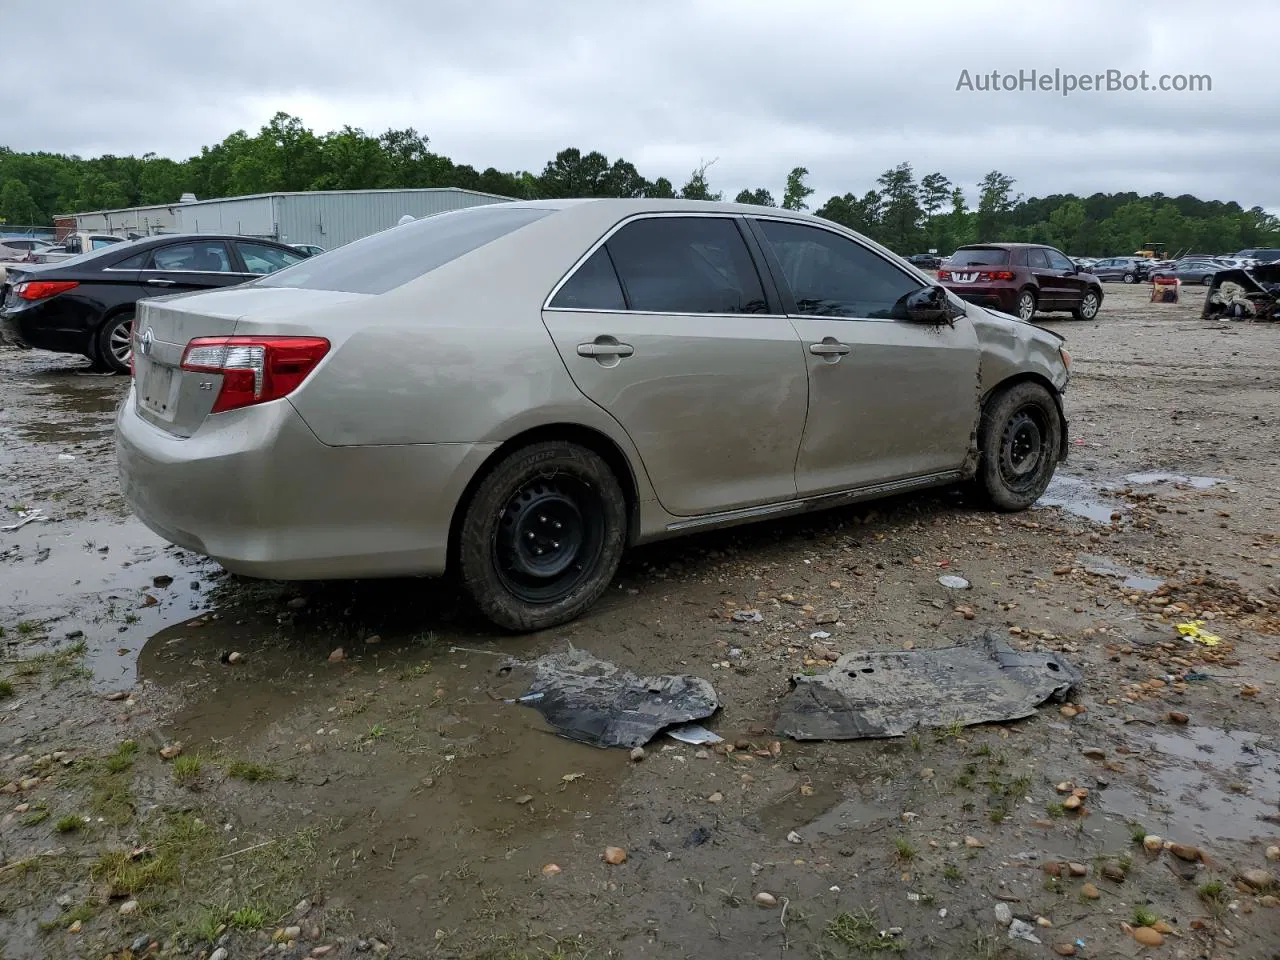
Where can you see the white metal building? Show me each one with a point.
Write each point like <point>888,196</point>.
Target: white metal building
<point>328,218</point>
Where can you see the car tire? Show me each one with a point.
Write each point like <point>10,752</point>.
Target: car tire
<point>1026,305</point>
<point>1019,438</point>
<point>1129,278</point>
<point>542,536</point>
<point>1208,280</point>
<point>115,342</point>
<point>1090,304</point>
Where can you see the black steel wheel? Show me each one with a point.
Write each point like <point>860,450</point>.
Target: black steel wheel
<point>1019,439</point>
<point>542,536</point>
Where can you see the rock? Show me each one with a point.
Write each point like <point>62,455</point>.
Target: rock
<point>1113,871</point>
<point>302,908</point>
<point>1090,892</point>
<point>1067,710</point>
<point>1004,914</point>
<point>128,907</point>
<point>1273,853</point>
<point>297,603</point>
<point>322,951</point>
<point>9,788</point>
<point>373,639</point>
<point>551,870</point>
<point>1162,927</point>
<point>1269,901</point>
<point>163,580</point>
<point>1260,880</point>
<point>75,927</point>
<point>338,655</point>
<point>140,943</point>
<point>1073,802</point>
<point>1173,716</point>
<point>637,754</point>
<point>170,751</point>
<point>826,616</point>
<point>1052,869</point>
<point>794,837</point>
<point>1148,937</point>
<point>1250,691</point>
<point>716,797</point>
<point>1044,922</point>
<point>219,954</point>
<point>64,900</point>
<point>524,799</point>
<point>615,855</point>
<point>1066,786</point>
<point>1152,843</point>
<point>764,899</point>
<point>234,657</point>
<point>22,808</point>
<point>30,783</point>
<point>1078,869</point>
<point>1185,852</point>
<point>973,843</point>
<point>1094,753</point>
<point>117,696</point>
<point>1065,949</point>
<point>290,933</point>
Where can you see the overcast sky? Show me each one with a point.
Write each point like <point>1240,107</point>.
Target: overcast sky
<point>843,88</point>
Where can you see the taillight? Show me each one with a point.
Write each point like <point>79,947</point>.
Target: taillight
<point>996,275</point>
<point>944,274</point>
<point>254,369</point>
<point>43,289</point>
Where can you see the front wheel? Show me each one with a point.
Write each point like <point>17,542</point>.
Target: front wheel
<point>115,342</point>
<point>1088,308</point>
<point>1026,305</point>
<point>1129,278</point>
<point>1019,438</point>
<point>542,537</point>
<point>1208,280</point>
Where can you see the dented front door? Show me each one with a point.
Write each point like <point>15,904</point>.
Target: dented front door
<point>889,399</point>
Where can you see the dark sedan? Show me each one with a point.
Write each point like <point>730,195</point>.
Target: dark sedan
<point>1126,269</point>
<point>86,304</point>
<point>925,261</point>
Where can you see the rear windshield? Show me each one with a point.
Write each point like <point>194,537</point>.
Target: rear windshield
<point>979,257</point>
<point>395,256</point>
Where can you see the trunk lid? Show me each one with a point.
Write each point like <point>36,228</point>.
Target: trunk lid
<point>177,401</point>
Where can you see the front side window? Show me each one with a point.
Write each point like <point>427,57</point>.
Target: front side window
<point>1058,261</point>
<point>196,256</point>
<point>262,259</point>
<point>686,265</point>
<point>834,276</point>
<point>593,286</point>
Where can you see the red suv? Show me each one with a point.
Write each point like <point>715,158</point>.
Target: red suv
<point>1022,279</point>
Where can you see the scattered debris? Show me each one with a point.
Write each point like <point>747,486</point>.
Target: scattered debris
<point>1021,930</point>
<point>952,582</point>
<point>615,855</point>
<point>889,694</point>
<point>27,516</point>
<point>748,616</point>
<point>694,734</point>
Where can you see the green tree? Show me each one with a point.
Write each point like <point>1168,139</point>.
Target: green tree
<point>995,203</point>
<point>797,191</point>
<point>698,188</point>
<point>857,213</point>
<point>901,216</point>
<point>759,196</point>
<point>17,206</point>
<point>661,189</point>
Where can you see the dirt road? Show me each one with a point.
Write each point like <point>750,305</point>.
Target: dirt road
<point>189,766</point>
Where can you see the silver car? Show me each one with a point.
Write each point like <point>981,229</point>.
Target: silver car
<point>517,392</point>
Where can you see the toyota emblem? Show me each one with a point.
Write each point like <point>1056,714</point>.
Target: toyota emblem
<point>145,343</point>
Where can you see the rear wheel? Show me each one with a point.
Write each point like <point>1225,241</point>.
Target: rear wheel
<point>1129,278</point>
<point>1019,438</point>
<point>542,536</point>
<point>115,342</point>
<point>1089,305</point>
<point>1208,280</point>
<point>1026,305</point>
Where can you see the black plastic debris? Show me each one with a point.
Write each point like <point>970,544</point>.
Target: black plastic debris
<point>596,702</point>
<point>868,695</point>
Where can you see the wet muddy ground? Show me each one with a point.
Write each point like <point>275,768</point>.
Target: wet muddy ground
<point>189,765</point>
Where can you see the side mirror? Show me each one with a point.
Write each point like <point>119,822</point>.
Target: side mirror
<point>929,305</point>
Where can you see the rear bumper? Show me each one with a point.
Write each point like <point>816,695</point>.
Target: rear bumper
<point>23,328</point>
<point>1004,299</point>
<point>255,490</point>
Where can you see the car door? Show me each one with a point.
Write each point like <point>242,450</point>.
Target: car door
<point>191,264</point>
<point>889,399</point>
<point>1050,292</point>
<point>667,326</point>
<point>1105,270</point>
<point>260,259</point>
<point>1071,282</point>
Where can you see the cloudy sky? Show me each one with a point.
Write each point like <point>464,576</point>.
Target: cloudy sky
<point>843,88</point>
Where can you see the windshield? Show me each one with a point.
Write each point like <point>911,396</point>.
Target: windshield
<point>395,256</point>
<point>979,257</point>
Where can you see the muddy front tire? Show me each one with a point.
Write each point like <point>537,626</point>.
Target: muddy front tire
<point>1019,439</point>
<point>542,537</point>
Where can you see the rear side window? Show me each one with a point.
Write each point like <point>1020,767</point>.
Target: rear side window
<point>395,256</point>
<point>979,257</point>
<point>138,261</point>
<point>686,265</point>
<point>594,286</point>
<point>1037,258</point>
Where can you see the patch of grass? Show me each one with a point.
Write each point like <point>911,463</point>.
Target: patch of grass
<point>415,672</point>
<point>69,823</point>
<point>916,743</point>
<point>6,686</point>
<point>186,770</point>
<point>1018,786</point>
<point>82,912</point>
<point>377,731</point>
<point>952,731</point>
<point>1126,863</point>
<point>122,759</point>
<point>60,665</point>
<point>27,628</point>
<point>1142,917</point>
<point>998,811</point>
<point>131,618</point>
<point>1212,891</point>
<point>248,919</point>
<point>951,872</point>
<point>1055,809</point>
<point>905,851</point>
<point>38,814</point>
<point>982,750</point>
<point>858,931</point>
<point>251,772</point>
<point>1137,832</point>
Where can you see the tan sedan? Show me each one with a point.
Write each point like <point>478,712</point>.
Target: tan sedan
<point>517,392</point>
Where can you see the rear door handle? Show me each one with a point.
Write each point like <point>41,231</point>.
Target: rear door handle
<point>605,350</point>
<point>156,282</point>
<point>829,348</point>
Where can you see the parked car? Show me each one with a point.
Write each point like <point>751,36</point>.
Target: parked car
<point>1084,263</point>
<point>925,261</point>
<point>1125,269</point>
<point>73,245</point>
<point>1260,255</point>
<point>87,303</point>
<point>21,246</point>
<point>1191,271</point>
<point>1022,279</point>
<point>519,391</point>
<point>310,249</point>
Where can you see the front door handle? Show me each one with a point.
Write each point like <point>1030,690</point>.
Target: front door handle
<point>603,348</point>
<point>830,348</point>
<point>157,282</point>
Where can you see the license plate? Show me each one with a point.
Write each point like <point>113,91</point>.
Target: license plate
<point>155,389</point>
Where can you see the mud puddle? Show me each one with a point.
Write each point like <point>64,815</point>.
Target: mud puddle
<point>1130,579</point>
<point>1101,500</point>
<point>1205,783</point>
